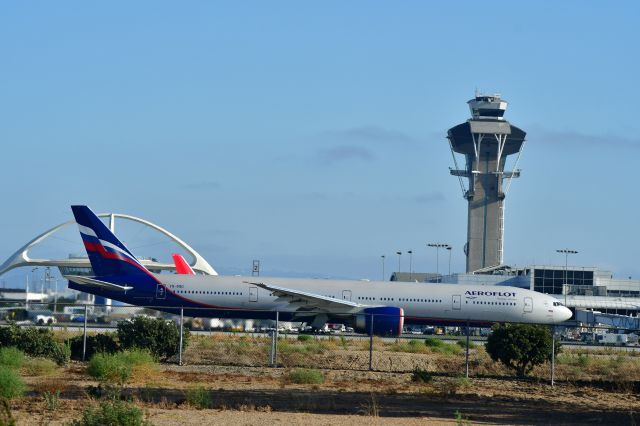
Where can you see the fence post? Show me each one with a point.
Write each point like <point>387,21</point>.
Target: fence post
<point>466,360</point>
<point>275,342</point>
<point>553,354</point>
<point>272,351</point>
<point>84,335</point>
<point>181,331</point>
<point>371,344</point>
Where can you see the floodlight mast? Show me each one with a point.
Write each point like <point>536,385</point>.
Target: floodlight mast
<point>486,140</point>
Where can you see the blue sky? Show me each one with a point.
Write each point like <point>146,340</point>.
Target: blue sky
<point>312,136</point>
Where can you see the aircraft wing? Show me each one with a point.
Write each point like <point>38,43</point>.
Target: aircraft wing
<point>92,282</point>
<point>310,301</point>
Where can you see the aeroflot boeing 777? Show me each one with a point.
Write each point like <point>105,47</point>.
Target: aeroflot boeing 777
<point>381,307</point>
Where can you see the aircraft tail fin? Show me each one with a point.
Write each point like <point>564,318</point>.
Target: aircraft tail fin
<point>107,254</point>
<point>182,267</point>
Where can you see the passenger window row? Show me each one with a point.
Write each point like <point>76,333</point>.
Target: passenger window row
<point>421,300</point>
<point>219,293</point>
<point>479,302</point>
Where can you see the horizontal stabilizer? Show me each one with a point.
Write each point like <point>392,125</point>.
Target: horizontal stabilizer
<point>92,282</point>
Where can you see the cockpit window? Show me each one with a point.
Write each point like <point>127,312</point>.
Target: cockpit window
<point>557,304</point>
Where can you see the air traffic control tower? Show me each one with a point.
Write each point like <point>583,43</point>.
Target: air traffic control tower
<point>486,140</point>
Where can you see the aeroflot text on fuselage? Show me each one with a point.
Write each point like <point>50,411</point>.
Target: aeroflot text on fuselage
<point>490,293</point>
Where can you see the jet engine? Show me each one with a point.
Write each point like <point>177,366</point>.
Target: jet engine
<point>387,321</point>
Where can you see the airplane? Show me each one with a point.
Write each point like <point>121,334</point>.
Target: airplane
<point>182,267</point>
<point>378,308</point>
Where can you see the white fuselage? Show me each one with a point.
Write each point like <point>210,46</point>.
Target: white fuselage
<point>421,302</point>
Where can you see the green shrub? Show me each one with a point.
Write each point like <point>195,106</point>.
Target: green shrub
<point>10,336</point>
<point>112,413</point>
<point>520,346</point>
<point>35,342</point>
<point>584,360</point>
<point>432,342</point>
<point>411,346</point>
<point>11,357</point>
<point>39,367</point>
<point>11,385</point>
<point>199,397</point>
<point>463,344</point>
<point>52,399</point>
<point>306,376</point>
<point>108,368</point>
<point>423,376</point>
<point>304,337</point>
<point>158,336</point>
<point>98,343</point>
<point>136,357</point>
<point>452,385</point>
<point>118,367</point>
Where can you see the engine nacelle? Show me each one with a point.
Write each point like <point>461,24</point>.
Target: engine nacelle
<point>387,321</point>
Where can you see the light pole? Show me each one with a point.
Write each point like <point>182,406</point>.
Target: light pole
<point>410,264</point>
<point>382,257</point>
<point>449,249</point>
<point>565,288</point>
<point>437,246</point>
<point>399,253</point>
<point>55,298</point>
<point>33,275</point>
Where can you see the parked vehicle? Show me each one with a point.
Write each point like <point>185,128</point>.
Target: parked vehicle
<point>41,317</point>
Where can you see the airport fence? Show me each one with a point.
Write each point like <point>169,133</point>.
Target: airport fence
<point>277,343</point>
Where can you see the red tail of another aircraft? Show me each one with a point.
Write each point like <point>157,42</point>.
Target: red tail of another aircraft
<point>182,267</point>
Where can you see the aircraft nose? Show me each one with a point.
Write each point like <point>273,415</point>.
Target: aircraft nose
<point>564,314</point>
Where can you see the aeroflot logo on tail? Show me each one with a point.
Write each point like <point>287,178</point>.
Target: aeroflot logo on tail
<point>490,293</point>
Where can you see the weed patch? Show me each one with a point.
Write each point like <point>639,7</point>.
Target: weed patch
<point>306,376</point>
<point>119,367</point>
<point>11,385</point>
<point>11,357</point>
<point>199,397</point>
<point>421,376</point>
<point>463,344</point>
<point>52,399</point>
<point>113,412</point>
<point>39,367</point>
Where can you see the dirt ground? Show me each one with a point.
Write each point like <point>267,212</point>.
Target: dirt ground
<point>257,396</point>
<point>230,373</point>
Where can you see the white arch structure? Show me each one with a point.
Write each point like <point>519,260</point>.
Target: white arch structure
<point>21,257</point>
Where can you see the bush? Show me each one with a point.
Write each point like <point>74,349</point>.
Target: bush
<point>35,342</point>
<point>11,385</point>
<point>432,342</point>
<point>52,399</point>
<point>304,337</point>
<point>463,344</point>
<point>423,376</point>
<point>306,376</point>
<point>11,357</point>
<point>452,385</point>
<point>161,338</point>
<point>118,367</point>
<point>99,343</point>
<point>520,346</point>
<point>112,413</point>
<point>199,397</point>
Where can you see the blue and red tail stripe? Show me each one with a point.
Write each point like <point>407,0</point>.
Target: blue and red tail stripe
<point>109,257</point>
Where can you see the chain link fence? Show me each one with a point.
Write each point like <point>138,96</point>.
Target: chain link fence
<point>274,343</point>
